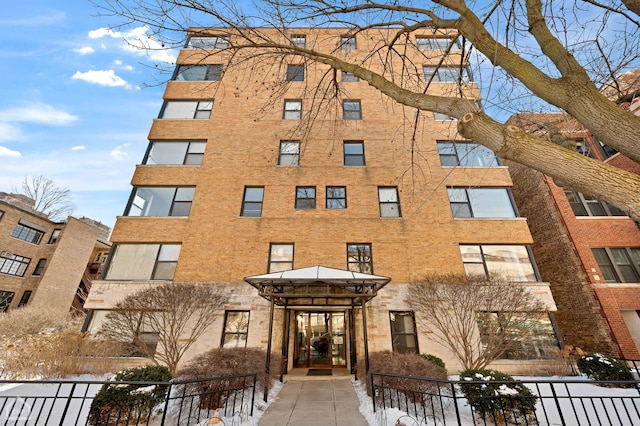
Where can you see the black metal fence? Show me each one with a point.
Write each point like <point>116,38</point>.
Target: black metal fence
<point>555,402</point>
<point>47,402</point>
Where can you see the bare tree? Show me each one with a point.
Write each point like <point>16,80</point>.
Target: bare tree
<point>49,198</point>
<point>552,55</point>
<point>176,314</point>
<point>476,319</point>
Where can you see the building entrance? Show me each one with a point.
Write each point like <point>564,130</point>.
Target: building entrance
<point>320,339</point>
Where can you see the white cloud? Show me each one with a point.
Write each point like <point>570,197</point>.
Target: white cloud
<point>137,41</point>
<point>117,62</point>
<point>119,153</point>
<point>6,152</point>
<point>9,132</point>
<point>128,68</point>
<point>102,32</point>
<point>84,50</point>
<point>37,112</point>
<point>78,148</point>
<point>101,77</point>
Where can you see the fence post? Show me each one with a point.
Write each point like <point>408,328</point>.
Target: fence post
<point>455,402</point>
<point>555,398</point>
<point>253,395</point>
<point>373,394</point>
<point>66,407</point>
<point>166,406</point>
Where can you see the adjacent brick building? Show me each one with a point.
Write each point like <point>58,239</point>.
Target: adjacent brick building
<point>44,262</point>
<point>276,177</point>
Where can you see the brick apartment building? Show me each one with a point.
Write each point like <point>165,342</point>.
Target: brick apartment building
<point>586,249</point>
<point>44,262</point>
<point>282,179</point>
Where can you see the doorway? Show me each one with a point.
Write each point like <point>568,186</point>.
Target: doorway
<point>320,339</point>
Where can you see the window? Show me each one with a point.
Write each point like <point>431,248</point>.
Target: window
<point>289,153</point>
<point>12,264</point>
<point>252,201</point>
<point>498,262</point>
<point>404,338</point>
<point>389,202</point>
<point>527,336</point>
<point>5,300</point>
<point>348,43</point>
<point>336,197</point>
<point>465,154</point>
<point>438,116</point>
<point>1,213</point>
<point>200,110</point>
<point>211,72</point>
<point>442,74</point>
<point>280,257</point>
<point>55,236</point>
<point>292,109</point>
<point>299,40</point>
<point>432,43</point>
<point>144,262</point>
<point>40,267</point>
<point>212,42</point>
<point>585,205</point>
<point>348,77</point>
<point>295,72</point>
<point>305,197</point>
<point>480,202</point>
<point>618,264</point>
<point>351,110</point>
<point>359,258</point>
<point>161,201</point>
<point>353,153</point>
<point>178,152</point>
<point>28,234</point>
<point>25,298</point>
<point>236,329</point>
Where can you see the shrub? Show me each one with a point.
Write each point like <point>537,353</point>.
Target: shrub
<point>129,404</point>
<point>220,362</point>
<point>498,396</point>
<point>601,367</point>
<point>434,359</point>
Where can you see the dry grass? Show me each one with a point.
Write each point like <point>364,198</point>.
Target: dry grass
<point>36,343</point>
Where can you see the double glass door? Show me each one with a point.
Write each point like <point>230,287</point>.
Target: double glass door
<point>320,339</point>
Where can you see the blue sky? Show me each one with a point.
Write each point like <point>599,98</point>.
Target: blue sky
<point>74,106</point>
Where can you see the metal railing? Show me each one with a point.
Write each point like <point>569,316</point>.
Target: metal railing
<point>555,402</point>
<point>48,402</point>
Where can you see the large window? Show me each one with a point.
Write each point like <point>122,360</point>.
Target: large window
<point>236,329</point>
<point>12,264</point>
<point>40,267</point>
<point>404,338</point>
<point>336,197</point>
<point>465,154</point>
<point>619,264</point>
<point>353,153</point>
<point>351,110</point>
<point>289,153</point>
<point>27,233</point>
<point>389,201</point>
<point>25,298</point>
<point>480,202</point>
<point>432,43</point>
<point>359,258</point>
<point>443,74</point>
<point>525,337</point>
<point>280,257</point>
<point>348,43</point>
<point>176,152</point>
<point>144,262</point>
<point>305,197</point>
<point>295,72</point>
<point>163,201</point>
<point>209,42</point>
<point>299,40</point>
<point>292,109</point>
<point>199,72</point>
<point>187,110</point>
<point>252,201</point>
<point>5,300</point>
<point>498,262</point>
<point>585,205</point>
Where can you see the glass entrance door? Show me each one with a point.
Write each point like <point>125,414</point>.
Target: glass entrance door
<point>320,339</point>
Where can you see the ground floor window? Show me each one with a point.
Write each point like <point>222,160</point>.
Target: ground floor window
<point>236,329</point>
<point>404,338</point>
<point>5,300</point>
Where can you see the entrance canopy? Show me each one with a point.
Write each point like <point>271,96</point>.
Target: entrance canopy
<point>317,285</point>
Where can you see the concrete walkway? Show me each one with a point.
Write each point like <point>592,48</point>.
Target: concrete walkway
<point>321,402</point>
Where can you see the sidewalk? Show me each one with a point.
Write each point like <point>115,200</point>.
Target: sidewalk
<point>332,401</point>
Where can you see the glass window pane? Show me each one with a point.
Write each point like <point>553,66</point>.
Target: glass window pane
<point>191,73</point>
<point>475,270</point>
<point>353,148</point>
<point>388,195</point>
<point>490,202</point>
<point>169,252</point>
<point>179,109</point>
<point>253,194</point>
<point>152,202</point>
<point>133,262</point>
<point>235,341</point>
<point>460,210</point>
<point>281,252</point>
<point>185,194</point>
<point>474,155</point>
<point>197,147</point>
<point>165,271</point>
<point>624,265</point>
<point>509,263</point>
<point>458,195</point>
<point>167,153</point>
<point>181,208</point>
